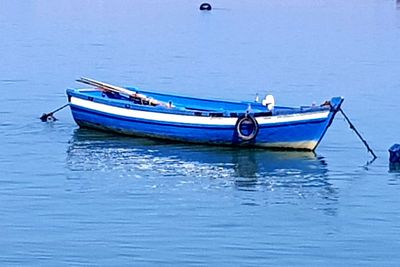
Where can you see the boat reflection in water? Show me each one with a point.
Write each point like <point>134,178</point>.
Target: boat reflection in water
<point>394,167</point>
<point>297,173</point>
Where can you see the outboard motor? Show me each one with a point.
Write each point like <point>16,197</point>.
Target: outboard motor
<point>269,102</point>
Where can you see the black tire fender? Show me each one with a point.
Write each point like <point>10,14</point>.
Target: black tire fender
<point>239,123</point>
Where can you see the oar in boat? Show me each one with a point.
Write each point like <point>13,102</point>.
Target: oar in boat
<point>117,89</point>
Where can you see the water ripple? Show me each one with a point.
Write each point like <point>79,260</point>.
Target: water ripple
<point>296,174</point>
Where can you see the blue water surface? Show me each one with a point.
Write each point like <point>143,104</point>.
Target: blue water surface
<point>71,196</point>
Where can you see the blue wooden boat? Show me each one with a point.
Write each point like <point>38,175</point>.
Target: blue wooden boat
<point>150,114</point>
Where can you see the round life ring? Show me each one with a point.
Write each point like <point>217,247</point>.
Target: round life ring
<point>205,6</point>
<point>247,121</point>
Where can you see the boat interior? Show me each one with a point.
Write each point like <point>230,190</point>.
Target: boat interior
<point>196,106</point>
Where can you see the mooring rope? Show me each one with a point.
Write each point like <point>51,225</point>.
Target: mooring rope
<point>358,134</point>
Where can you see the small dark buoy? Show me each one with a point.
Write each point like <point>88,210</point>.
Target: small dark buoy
<point>51,118</point>
<point>48,117</point>
<point>205,6</point>
<point>394,153</point>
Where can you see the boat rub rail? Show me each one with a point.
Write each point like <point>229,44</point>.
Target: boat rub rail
<point>118,100</point>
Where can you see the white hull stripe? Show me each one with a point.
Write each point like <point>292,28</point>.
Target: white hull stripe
<point>187,119</point>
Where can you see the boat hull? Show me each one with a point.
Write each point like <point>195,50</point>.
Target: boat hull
<point>302,131</point>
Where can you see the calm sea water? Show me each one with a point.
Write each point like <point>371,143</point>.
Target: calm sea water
<point>78,197</point>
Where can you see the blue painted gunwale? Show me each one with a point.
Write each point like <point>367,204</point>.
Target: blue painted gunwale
<point>303,134</point>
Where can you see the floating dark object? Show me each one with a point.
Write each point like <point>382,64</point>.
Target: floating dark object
<point>394,153</point>
<point>48,117</point>
<point>205,6</point>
